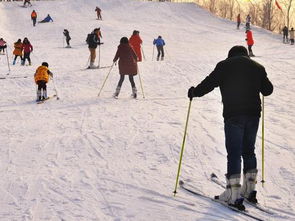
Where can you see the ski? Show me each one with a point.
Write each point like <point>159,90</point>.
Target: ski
<point>191,190</point>
<point>215,180</point>
<point>48,98</point>
<point>12,77</point>
<point>101,67</point>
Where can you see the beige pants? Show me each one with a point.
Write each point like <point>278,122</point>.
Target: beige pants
<point>92,54</point>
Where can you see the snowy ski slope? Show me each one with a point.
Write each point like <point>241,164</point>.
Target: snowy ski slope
<point>85,157</point>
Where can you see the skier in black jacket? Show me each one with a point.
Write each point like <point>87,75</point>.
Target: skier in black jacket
<point>68,38</point>
<point>93,39</point>
<point>240,80</point>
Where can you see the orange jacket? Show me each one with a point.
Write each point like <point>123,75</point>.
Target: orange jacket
<point>34,15</point>
<point>249,37</point>
<point>135,41</point>
<point>41,74</point>
<point>18,49</point>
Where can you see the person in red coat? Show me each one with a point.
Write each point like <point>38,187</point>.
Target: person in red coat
<point>135,41</point>
<point>250,42</point>
<point>127,65</point>
<point>238,21</point>
<point>27,49</point>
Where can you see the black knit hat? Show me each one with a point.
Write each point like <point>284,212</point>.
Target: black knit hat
<point>45,64</point>
<point>237,50</point>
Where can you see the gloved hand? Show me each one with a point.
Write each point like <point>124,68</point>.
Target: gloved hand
<point>190,93</point>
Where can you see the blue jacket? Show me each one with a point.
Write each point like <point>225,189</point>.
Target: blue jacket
<point>159,42</point>
<point>47,19</point>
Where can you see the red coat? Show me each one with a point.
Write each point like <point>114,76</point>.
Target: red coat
<point>135,41</point>
<point>249,38</point>
<point>27,47</point>
<point>127,60</point>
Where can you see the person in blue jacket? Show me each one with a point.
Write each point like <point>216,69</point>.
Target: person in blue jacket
<point>159,42</point>
<point>47,19</point>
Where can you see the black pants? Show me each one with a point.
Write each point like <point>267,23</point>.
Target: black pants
<point>160,49</point>
<point>68,41</point>
<point>34,21</point>
<point>122,77</point>
<point>41,85</point>
<point>27,56</point>
<point>250,49</point>
<point>2,48</point>
<point>15,57</point>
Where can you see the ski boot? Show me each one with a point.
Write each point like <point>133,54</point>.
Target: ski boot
<point>248,188</point>
<point>134,93</point>
<point>231,195</point>
<point>116,94</point>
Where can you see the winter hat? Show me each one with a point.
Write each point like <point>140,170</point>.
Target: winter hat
<point>45,64</point>
<point>237,50</point>
<point>124,40</point>
<point>160,36</point>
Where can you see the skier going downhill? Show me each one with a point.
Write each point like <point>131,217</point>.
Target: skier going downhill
<point>159,42</point>
<point>241,80</point>
<point>41,76</point>
<point>127,65</point>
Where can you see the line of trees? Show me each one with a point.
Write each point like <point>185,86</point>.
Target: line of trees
<point>272,15</point>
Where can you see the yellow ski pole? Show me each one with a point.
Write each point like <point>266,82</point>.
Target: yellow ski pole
<point>182,148</point>
<point>262,143</point>
<point>106,79</point>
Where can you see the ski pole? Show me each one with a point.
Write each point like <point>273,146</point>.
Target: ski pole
<point>262,142</point>
<point>7,62</point>
<point>106,79</point>
<point>143,53</point>
<point>153,52</point>
<point>141,84</point>
<point>88,61</point>
<point>57,97</point>
<point>182,148</point>
<point>99,55</point>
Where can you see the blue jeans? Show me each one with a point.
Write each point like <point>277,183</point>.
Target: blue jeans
<point>240,137</point>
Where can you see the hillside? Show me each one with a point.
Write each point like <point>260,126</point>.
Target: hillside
<point>85,157</point>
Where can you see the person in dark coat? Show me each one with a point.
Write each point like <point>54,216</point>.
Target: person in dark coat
<point>285,34</point>
<point>98,13</point>
<point>241,80</point>
<point>68,38</point>
<point>127,65</point>
<point>93,39</point>
<point>47,19</point>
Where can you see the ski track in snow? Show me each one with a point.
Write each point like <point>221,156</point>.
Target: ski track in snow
<point>85,157</point>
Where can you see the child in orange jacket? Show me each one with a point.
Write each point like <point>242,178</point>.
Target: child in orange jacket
<point>250,42</point>
<point>41,77</point>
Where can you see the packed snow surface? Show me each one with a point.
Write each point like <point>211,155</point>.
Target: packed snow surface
<point>85,157</point>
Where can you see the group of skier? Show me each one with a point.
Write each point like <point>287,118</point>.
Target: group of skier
<point>239,78</point>
<point>22,50</point>
<point>286,33</point>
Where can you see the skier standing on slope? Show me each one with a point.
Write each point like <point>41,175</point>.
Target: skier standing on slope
<point>98,13</point>
<point>250,42</point>
<point>27,2</point>
<point>34,17</point>
<point>248,21</point>
<point>135,41</point>
<point>2,45</point>
<point>292,36</point>
<point>159,42</point>
<point>238,21</point>
<point>240,80</point>
<point>41,79</point>
<point>93,39</point>
<point>27,48</point>
<point>18,50</point>
<point>68,38</point>
<point>127,65</point>
<point>285,34</point>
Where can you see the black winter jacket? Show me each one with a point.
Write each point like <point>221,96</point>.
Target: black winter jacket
<point>240,80</point>
<point>92,40</point>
